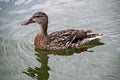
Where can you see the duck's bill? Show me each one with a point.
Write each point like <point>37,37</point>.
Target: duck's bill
<point>28,22</point>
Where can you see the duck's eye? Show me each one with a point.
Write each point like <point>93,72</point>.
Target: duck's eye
<point>36,16</point>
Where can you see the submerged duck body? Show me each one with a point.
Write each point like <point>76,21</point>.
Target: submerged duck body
<point>60,39</point>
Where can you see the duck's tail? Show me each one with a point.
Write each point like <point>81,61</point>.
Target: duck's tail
<point>91,37</point>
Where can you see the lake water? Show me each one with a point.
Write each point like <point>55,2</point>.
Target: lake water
<point>99,60</point>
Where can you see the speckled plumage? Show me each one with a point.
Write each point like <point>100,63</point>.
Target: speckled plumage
<point>60,39</point>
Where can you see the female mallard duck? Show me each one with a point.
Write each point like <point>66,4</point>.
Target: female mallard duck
<point>60,39</point>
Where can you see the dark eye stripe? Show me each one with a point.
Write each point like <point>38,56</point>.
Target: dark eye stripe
<point>38,16</point>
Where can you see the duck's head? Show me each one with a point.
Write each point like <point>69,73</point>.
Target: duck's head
<point>39,17</point>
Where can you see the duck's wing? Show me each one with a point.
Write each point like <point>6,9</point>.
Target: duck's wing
<point>63,39</point>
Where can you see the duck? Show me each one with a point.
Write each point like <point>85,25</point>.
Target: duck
<point>59,40</point>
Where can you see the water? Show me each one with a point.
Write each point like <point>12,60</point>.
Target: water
<point>20,60</point>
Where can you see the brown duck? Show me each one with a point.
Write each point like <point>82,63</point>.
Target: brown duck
<point>59,40</point>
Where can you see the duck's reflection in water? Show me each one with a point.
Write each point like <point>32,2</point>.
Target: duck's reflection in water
<point>41,73</point>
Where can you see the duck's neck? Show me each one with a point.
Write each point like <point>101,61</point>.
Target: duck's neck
<point>43,29</point>
<point>41,39</point>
